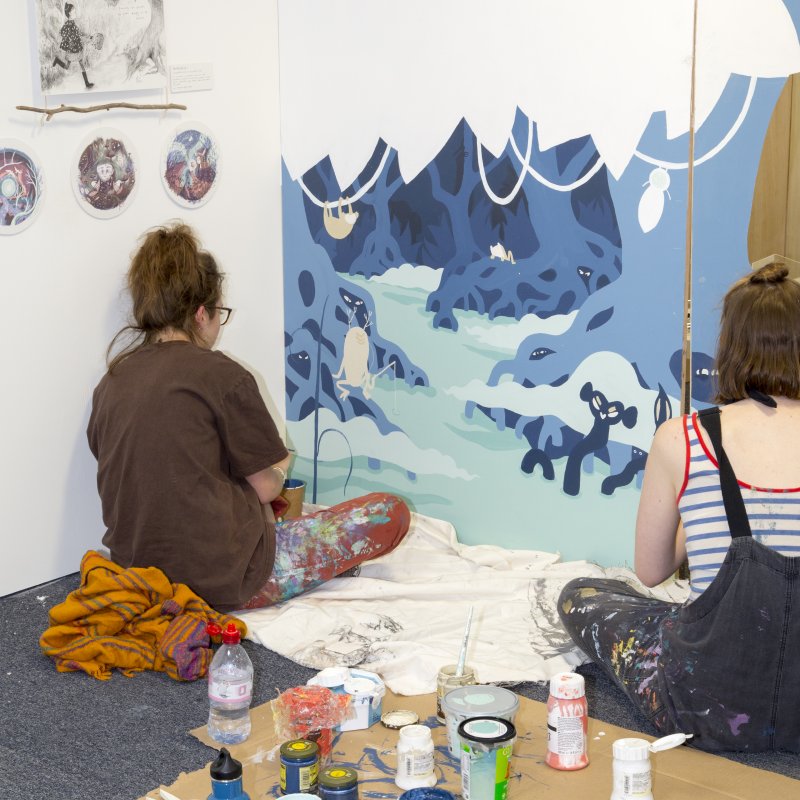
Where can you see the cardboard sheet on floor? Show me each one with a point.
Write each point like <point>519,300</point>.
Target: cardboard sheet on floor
<point>679,774</point>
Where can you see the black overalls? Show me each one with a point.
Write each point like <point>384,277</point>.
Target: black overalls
<point>725,667</point>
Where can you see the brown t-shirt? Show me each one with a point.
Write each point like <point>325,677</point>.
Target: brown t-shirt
<point>175,430</point>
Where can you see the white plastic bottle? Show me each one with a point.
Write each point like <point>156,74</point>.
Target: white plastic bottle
<point>631,765</point>
<point>230,690</point>
<point>415,758</point>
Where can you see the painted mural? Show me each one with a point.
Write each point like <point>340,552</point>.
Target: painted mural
<point>484,249</point>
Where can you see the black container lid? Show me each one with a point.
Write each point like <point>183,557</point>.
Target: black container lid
<point>497,730</point>
<point>338,778</point>
<point>225,767</point>
<point>299,750</point>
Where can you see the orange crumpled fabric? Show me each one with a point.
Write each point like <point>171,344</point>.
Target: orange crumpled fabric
<point>131,619</point>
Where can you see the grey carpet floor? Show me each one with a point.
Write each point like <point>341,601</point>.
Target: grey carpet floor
<point>71,737</point>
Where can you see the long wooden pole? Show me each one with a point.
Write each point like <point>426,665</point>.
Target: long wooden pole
<point>686,353</point>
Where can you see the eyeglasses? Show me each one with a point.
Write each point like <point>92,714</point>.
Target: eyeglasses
<point>224,313</point>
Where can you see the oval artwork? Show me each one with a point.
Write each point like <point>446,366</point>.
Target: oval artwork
<point>105,174</point>
<point>190,167</point>
<point>21,187</point>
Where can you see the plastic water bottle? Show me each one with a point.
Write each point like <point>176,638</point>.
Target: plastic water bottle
<point>230,690</point>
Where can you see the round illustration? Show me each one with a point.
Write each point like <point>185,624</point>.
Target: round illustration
<point>190,166</point>
<point>21,186</point>
<point>104,174</point>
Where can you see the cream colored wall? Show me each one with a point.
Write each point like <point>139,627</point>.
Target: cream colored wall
<point>62,277</point>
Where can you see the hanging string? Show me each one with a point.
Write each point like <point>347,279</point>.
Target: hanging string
<point>359,194</point>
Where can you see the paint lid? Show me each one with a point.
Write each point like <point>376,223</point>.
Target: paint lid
<point>225,767</point>
<point>484,700</point>
<point>487,730</point>
<point>360,686</point>
<point>427,793</point>
<point>631,749</point>
<point>668,742</point>
<point>331,676</point>
<point>567,686</point>
<point>338,778</point>
<point>399,718</point>
<point>299,750</point>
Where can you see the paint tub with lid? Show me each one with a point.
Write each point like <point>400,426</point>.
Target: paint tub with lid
<point>338,783</point>
<point>427,793</point>
<point>482,700</point>
<point>299,770</point>
<point>366,691</point>
<point>332,678</point>
<point>486,744</point>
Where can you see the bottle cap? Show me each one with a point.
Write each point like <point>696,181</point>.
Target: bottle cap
<point>332,676</point>
<point>299,750</point>
<point>338,778</point>
<point>399,718</point>
<point>225,767</point>
<point>567,686</point>
<point>417,732</point>
<point>631,749</point>
<point>359,686</point>
<point>667,742</point>
<point>231,634</point>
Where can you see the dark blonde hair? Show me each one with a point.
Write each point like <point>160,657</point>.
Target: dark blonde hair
<point>169,278</point>
<point>759,338</point>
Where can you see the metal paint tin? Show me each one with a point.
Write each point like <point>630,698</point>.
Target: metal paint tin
<point>486,745</point>
<point>483,700</point>
<point>338,783</point>
<point>299,766</point>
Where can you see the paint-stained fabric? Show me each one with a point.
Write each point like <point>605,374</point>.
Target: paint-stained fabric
<point>131,619</point>
<point>774,514</point>
<point>721,667</point>
<point>314,548</point>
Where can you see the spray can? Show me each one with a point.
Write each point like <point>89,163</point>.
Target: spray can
<point>567,722</point>
<point>299,766</point>
<point>226,778</point>
<point>631,765</point>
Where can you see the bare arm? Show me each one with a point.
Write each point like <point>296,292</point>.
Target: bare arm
<point>660,542</point>
<point>268,483</point>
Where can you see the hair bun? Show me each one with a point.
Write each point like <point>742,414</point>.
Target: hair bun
<point>771,273</point>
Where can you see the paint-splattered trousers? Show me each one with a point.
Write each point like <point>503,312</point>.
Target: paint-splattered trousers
<point>620,630</point>
<point>314,548</point>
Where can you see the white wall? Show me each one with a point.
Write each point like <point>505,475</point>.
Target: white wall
<point>62,277</point>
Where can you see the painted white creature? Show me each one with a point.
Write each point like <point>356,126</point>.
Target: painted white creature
<point>651,206</point>
<point>355,362</point>
<point>498,251</point>
<point>340,225</point>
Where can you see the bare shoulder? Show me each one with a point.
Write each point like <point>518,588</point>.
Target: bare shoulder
<point>669,445</point>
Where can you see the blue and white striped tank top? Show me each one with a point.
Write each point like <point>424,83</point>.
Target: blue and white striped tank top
<point>774,514</point>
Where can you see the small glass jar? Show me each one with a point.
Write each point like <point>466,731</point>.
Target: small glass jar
<point>447,680</point>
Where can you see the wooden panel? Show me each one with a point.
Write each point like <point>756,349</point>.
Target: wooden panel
<point>793,190</point>
<point>767,233</point>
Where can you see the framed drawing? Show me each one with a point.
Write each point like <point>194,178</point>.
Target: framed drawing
<point>21,186</point>
<point>105,45</point>
<point>104,173</point>
<point>190,165</point>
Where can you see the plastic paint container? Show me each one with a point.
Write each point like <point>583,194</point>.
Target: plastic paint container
<point>631,765</point>
<point>366,691</point>
<point>427,793</point>
<point>483,700</point>
<point>299,766</point>
<point>447,680</point>
<point>567,722</point>
<point>332,678</point>
<point>486,745</point>
<point>338,783</point>
<point>415,762</point>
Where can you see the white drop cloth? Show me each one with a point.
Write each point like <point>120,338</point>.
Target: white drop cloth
<point>404,615</point>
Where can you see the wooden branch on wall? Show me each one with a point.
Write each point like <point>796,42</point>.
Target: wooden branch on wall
<point>49,112</point>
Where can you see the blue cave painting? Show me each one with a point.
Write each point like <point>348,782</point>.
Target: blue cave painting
<point>541,313</point>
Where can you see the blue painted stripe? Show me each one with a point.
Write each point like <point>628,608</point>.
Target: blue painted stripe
<point>714,535</point>
<point>708,550</point>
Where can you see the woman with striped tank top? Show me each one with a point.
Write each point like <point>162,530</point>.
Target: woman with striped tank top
<point>722,666</point>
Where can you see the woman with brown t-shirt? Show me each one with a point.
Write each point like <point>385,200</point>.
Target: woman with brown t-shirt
<point>190,461</point>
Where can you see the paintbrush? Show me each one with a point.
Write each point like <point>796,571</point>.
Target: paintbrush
<point>462,658</point>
